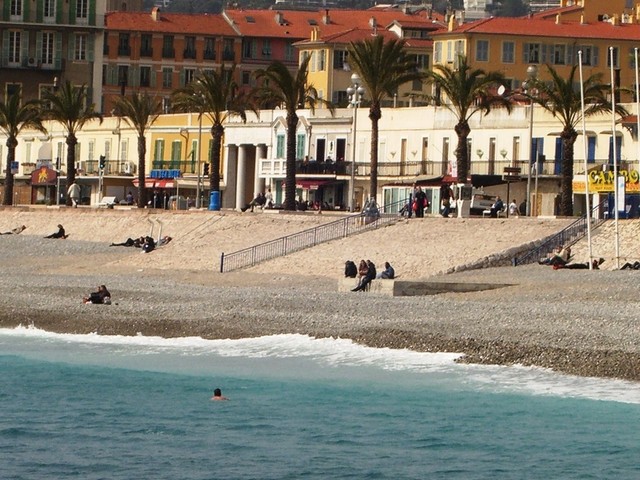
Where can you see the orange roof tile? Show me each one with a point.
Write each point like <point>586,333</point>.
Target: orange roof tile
<point>211,24</point>
<point>534,27</point>
<point>297,24</point>
<point>355,35</point>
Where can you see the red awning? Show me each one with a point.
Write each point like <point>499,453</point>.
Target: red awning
<point>309,184</point>
<point>156,183</point>
<point>165,183</point>
<point>148,182</point>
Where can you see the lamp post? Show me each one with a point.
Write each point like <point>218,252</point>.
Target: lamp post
<point>532,73</point>
<point>355,92</point>
<point>199,159</point>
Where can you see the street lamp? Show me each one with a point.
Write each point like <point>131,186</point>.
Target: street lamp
<point>355,92</point>
<point>532,73</point>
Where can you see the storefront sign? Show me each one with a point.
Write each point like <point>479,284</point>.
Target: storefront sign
<point>603,182</point>
<point>43,176</point>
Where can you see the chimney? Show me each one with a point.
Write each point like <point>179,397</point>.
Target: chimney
<point>372,23</point>
<point>615,20</point>
<point>637,13</point>
<point>451,24</point>
<point>325,18</point>
<point>155,14</point>
<point>314,34</point>
<point>582,19</point>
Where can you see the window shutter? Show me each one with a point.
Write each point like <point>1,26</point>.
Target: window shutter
<point>71,50</point>
<point>5,12</point>
<point>24,50</point>
<point>254,49</point>
<point>39,47</point>
<point>57,56</point>
<point>153,78</point>
<point>5,46</point>
<point>182,83</point>
<point>543,53</point>
<point>134,76</point>
<point>73,7</point>
<point>569,54</point>
<point>39,11</point>
<point>90,45</point>
<point>113,75</point>
<point>25,10</point>
<point>632,57</point>
<point>594,57</point>
<point>59,18</point>
<point>92,12</point>
<point>525,52</point>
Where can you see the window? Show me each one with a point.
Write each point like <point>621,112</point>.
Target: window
<point>266,48</point>
<point>123,44</point>
<point>248,48</point>
<point>340,60</point>
<point>280,146</point>
<point>449,51</point>
<point>422,62</point>
<point>14,46</point>
<point>300,146</point>
<point>482,51</point>
<point>531,52</point>
<point>210,48</point>
<point>167,77</point>
<point>158,154</point>
<point>146,50</point>
<point>145,76</point>
<point>82,9</point>
<point>437,52</point>
<point>15,8</point>
<point>167,47</point>
<point>46,52</point>
<point>49,8</point>
<point>616,57</point>
<point>123,75</point>
<point>189,75</point>
<point>227,47</point>
<point>189,47</point>
<point>246,76</point>
<point>508,52</point>
<point>289,52</point>
<point>320,58</point>
<point>589,54</point>
<point>559,55</point>
<point>81,47</point>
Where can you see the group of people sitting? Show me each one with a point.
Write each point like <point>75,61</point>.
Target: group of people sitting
<point>145,242</point>
<point>102,296</point>
<point>366,272</point>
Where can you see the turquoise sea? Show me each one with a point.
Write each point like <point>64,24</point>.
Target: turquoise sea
<point>95,407</point>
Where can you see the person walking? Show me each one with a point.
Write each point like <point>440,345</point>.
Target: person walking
<point>446,196</point>
<point>74,192</point>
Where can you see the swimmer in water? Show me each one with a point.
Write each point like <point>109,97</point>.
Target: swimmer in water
<point>217,395</point>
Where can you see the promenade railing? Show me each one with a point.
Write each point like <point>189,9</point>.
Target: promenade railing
<point>566,237</point>
<point>344,227</point>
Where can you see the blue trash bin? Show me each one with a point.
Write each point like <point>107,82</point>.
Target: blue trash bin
<point>214,201</point>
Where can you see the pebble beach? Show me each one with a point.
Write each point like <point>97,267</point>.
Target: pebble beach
<point>573,321</point>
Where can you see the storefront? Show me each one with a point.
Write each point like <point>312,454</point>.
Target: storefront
<point>601,191</point>
<point>44,186</point>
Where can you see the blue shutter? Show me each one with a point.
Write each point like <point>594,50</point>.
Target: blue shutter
<point>591,149</point>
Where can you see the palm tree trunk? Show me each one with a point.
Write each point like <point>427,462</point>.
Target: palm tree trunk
<point>217,131</point>
<point>72,141</point>
<point>566,173</point>
<point>375,113</point>
<point>142,187</point>
<point>12,143</point>
<point>290,182</point>
<point>462,151</point>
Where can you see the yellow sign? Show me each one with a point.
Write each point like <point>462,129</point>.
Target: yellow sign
<point>602,182</point>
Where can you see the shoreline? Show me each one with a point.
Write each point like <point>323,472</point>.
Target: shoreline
<point>575,322</point>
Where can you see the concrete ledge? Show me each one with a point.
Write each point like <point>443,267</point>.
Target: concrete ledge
<point>409,288</point>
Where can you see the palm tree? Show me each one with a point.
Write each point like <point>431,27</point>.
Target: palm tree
<point>216,95</point>
<point>139,111</point>
<point>467,91</point>
<point>14,118</point>
<point>561,98</point>
<point>280,87</point>
<point>68,106</point>
<point>383,66</point>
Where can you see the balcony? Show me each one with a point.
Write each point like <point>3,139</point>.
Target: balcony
<point>112,167</point>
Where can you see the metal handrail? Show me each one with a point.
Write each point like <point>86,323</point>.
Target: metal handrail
<point>344,227</point>
<point>566,237</point>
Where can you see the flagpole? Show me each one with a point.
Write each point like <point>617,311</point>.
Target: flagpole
<point>615,161</point>
<point>586,166</point>
<point>637,104</point>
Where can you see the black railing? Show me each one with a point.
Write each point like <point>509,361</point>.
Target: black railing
<point>350,225</point>
<point>566,237</point>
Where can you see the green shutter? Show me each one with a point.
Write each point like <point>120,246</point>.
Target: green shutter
<point>92,12</point>
<point>25,10</point>
<point>59,17</point>
<point>73,8</point>
<point>39,47</point>
<point>153,78</point>
<point>6,8</point>
<point>58,51</point>
<point>112,75</point>
<point>280,146</point>
<point>300,141</point>
<point>5,47</point>
<point>134,76</point>
<point>71,47</point>
<point>39,11</point>
<point>90,46</point>
<point>24,48</point>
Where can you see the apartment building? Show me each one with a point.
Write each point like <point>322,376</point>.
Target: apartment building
<point>45,41</point>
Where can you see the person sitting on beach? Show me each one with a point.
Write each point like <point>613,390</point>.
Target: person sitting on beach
<point>631,266</point>
<point>497,207</point>
<point>259,201</point>
<point>217,395</point>
<point>388,272</point>
<point>350,269</point>
<point>130,242</point>
<point>102,296</point>
<point>560,256</point>
<point>369,276</point>
<point>149,244</point>
<point>59,234</point>
<point>363,268</point>
<point>15,231</point>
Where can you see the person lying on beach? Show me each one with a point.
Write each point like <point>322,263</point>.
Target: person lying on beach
<point>102,296</point>
<point>164,240</point>
<point>560,256</point>
<point>15,231</point>
<point>130,242</point>
<point>631,266</point>
<point>580,266</point>
<point>149,244</point>
<point>59,234</point>
<point>217,395</point>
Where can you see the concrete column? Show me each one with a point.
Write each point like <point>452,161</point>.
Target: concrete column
<point>231,174</point>
<point>241,187</point>
<point>258,183</point>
